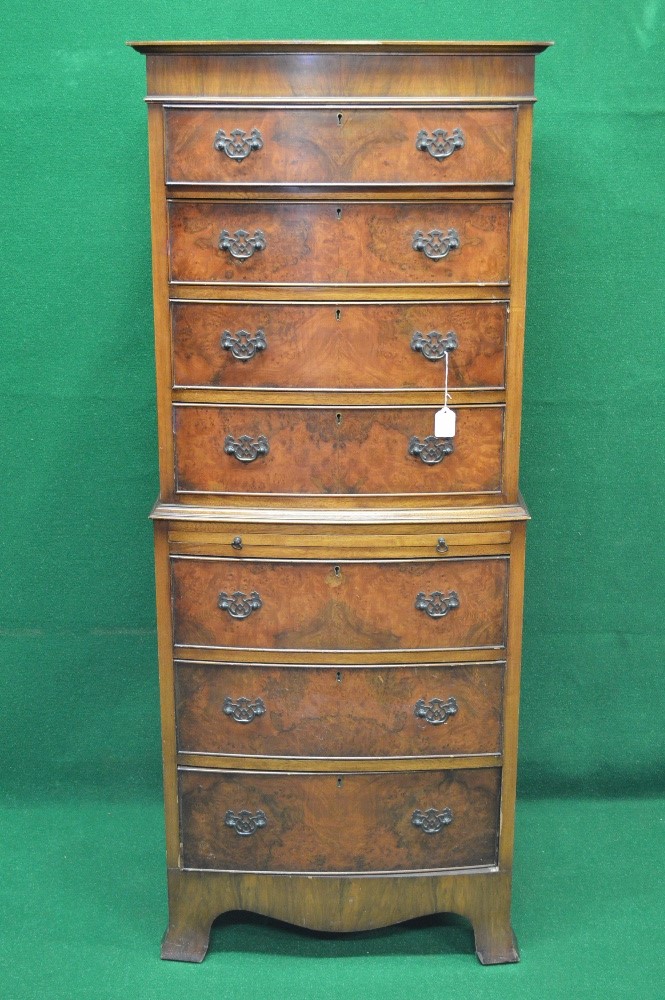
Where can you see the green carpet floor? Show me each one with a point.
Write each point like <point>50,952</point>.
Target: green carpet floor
<point>83,906</point>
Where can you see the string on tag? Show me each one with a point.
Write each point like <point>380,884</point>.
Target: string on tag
<point>444,419</point>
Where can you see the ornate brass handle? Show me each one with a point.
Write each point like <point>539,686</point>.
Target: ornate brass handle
<point>437,244</point>
<point>243,346</point>
<point>437,605</point>
<point>440,144</point>
<point>434,345</point>
<point>431,820</point>
<point>244,822</point>
<point>436,711</point>
<point>244,709</point>
<point>241,245</point>
<point>239,605</point>
<point>431,450</point>
<point>238,144</point>
<point>246,448</point>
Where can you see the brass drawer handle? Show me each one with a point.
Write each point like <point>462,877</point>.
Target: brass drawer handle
<point>239,605</point>
<point>436,711</point>
<point>238,144</point>
<point>431,450</point>
<point>431,820</point>
<point>244,346</point>
<point>440,144</point>
<point>437,244</point>
<point>434,346</point>
<point>243,709</point>
<point>437,604</point>
<point>441,545</point>
<point>237,543</point>
<point>241,245</point>
<point>246,448</point>
<point>244,822</point>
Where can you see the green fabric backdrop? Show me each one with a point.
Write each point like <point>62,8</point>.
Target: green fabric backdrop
<point>80,723</point>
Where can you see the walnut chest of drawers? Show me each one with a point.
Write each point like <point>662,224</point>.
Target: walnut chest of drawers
<point>339,590</point>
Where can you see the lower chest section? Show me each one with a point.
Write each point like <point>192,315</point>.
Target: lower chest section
<point>342,699</point>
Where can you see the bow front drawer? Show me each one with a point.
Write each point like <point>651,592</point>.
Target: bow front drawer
<point>255,604</point>
<point>345,146</point>
<point>338,346</point>
<point>312,711</point>
<point>350,243</point>
<point>327,450</point>
<point>415,821</point>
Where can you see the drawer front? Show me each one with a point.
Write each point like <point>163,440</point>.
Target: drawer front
<point>340,145</point>
<point>345,346</point>
<point>339,243</point>
<point>327,450</point>
<point>271,542</point>
<point>425,820</point>
<point>351,712</point>
<point>337,606</point>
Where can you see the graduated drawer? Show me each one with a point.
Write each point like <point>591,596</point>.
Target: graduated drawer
<point>338,346</point>
<point>341,450</point>
<point>257,604</point>
<point>350,243</point>
<point>340,145</point>
<point>408,821</point>
<point>380,711</point>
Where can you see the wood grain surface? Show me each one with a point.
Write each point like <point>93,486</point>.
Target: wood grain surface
<point>339,243</point>
<point>329,823</point>
<point>340,903</point>
<point>319,72</point>
<point>310,605</point>
<point>323,545</point>
<point>327,450</point>
<point>349,346</point>
<point>349,712</point>
<point>339,145</point>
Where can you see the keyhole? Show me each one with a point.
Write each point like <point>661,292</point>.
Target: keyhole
<point>338,418</point>
<point>339,213</point>
<point>339,677</point>
<point>337,571</point>
<point>339,782</point>
<point>339,117</point>
<point>338,314</point>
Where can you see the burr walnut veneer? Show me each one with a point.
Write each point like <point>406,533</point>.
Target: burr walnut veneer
<point>339,590</point>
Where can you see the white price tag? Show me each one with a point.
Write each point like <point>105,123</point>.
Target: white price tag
<point>444,423</point>
<point>444,420</point>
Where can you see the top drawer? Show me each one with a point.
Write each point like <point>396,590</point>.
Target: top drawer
<point>343,146</point>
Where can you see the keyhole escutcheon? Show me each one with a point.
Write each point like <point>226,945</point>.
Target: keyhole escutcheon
<point>340,116</point>
<point>339,213</point>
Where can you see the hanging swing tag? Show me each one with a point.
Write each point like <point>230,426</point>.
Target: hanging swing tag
<point>444,423</point>
<point>444,419</point>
